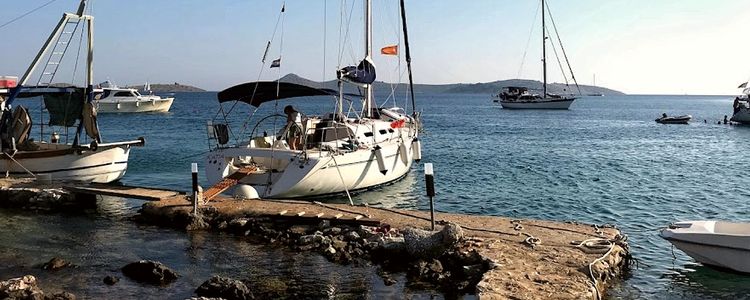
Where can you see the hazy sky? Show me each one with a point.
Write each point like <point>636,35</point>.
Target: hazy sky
<point>636,46</point>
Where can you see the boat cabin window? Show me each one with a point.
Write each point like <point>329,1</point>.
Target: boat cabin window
<point>383,131</point>
<point>123,94</point>
<point>368,134</point>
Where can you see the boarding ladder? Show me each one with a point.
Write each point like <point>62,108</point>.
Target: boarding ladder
<point>227,182</point>
<point>58,52</point>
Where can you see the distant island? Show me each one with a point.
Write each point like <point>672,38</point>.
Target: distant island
<point>167,88</point>
<point>467,88</point>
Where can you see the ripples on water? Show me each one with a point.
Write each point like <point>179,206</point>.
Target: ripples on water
<point>604,161</point>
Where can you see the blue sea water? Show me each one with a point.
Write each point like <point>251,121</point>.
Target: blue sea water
<point>603,161</point>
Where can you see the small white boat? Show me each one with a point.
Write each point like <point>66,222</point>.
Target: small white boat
<point>113,99</point>
<point>720,244</point>
<point>684,119</point>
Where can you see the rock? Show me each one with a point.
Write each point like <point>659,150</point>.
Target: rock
<point>197,222</point>
<point>338,244</point>
<point>150,272</point>
<point>388,281</point>
<point>330,250</point>
<point>435,266</point>
<point>223,287</point>
<point>332,231</point>
<point>55,264</point>
<point>222,225</point>
<point>306,239</point>
<point>425,244</point>
<point>60,296</point>
<point>204,298</point>
<point>299,230</point>
<point>111,280</point>
<point>351,236</point>
<point>20,288</point>
<point>238,223</point>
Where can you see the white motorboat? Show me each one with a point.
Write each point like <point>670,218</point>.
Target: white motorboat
<point>113,99</point>
<point>61,155</point>
<point>340,152</point>
<point>520,98</point>
<point>664,119</point>
<point>720,244</point>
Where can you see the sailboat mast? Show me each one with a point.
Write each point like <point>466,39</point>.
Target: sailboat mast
<point>368,107</point>
<point>544,55</point>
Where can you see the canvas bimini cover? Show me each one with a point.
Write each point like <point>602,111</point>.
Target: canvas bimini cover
<point>259,92</point>
<point>364,73</point>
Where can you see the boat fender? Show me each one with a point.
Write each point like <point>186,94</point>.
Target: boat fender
<point>416,148</point>
<point>118,105</point>
<point>94,146</point>
<point>381,161</point>
<point>137,103</point>
<point>403,153</point>
<point>244,191</point>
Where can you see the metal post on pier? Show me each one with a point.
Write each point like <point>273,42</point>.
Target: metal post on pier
<point>194,170</point>
<point>429,181</point>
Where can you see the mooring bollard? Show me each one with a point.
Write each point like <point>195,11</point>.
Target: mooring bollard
<point>194,169</point>
<point>429,181</point>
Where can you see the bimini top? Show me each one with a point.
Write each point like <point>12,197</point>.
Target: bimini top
<point>259,92</point>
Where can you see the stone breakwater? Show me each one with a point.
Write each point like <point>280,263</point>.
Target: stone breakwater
<point>492,257</point>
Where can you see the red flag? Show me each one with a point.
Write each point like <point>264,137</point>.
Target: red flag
<point>389,50</point>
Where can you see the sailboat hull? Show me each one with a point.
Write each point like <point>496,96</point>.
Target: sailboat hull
<point>538,104</point>
<point>742,116</point>
<point>320,174</point>
<point>61,162</point>
<point>135,106</point>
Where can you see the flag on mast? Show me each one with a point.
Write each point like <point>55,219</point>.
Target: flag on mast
<point>742,86</point>
<point>389,50</point>
<point>276,63</point>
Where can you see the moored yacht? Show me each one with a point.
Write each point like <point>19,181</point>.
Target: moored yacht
<point>114,99</point>
<point>339,152</point>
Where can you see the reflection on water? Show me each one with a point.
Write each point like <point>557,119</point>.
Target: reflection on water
<point>101,241</point>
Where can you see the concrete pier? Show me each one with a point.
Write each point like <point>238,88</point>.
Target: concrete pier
<point>515,259</point>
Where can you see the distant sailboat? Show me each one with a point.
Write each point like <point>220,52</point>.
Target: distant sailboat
<point>521,98</point>
<point>594,85</point>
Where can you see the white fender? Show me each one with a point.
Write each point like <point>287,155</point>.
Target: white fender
<point>402,152</point>
<point>137,103</point>
<point>416,148</point>
<point>381,162</point>
<point>244,191</point>
<point>118,105</point>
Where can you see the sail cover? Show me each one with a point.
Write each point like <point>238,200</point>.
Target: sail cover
<point>64,108</point>
<point>259,92</point>
<point>364,73</point>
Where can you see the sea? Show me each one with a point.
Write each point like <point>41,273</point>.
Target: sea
<point>604,161</point>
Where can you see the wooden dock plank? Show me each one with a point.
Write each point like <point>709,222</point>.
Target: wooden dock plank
<point>124,191</point>
<point>227,182</point>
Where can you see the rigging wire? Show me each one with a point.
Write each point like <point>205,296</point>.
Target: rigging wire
<point>528,42</point>
<point>26,14</point>
<point>549,12</point>
<point>559,63</point>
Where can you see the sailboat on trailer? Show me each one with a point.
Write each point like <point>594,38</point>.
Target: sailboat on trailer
<point>68,107</point>
<point>318,155</point>
<point>521,98</point>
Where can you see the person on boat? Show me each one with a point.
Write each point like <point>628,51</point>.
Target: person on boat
<point>293,127</point>
<point>726,121</point>
<point>663,115</point>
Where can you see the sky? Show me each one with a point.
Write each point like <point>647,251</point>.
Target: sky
<point>635,46</point>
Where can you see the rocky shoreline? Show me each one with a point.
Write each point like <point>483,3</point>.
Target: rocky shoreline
<point>491,257</point>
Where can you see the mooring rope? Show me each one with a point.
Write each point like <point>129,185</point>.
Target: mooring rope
<point>7,174</point>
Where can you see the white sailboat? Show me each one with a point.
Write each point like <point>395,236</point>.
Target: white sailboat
<point>113,99</point>
<point>720,244</point>
<point>521,98</point>
<point>68,107</point>
<point>334,153</point>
